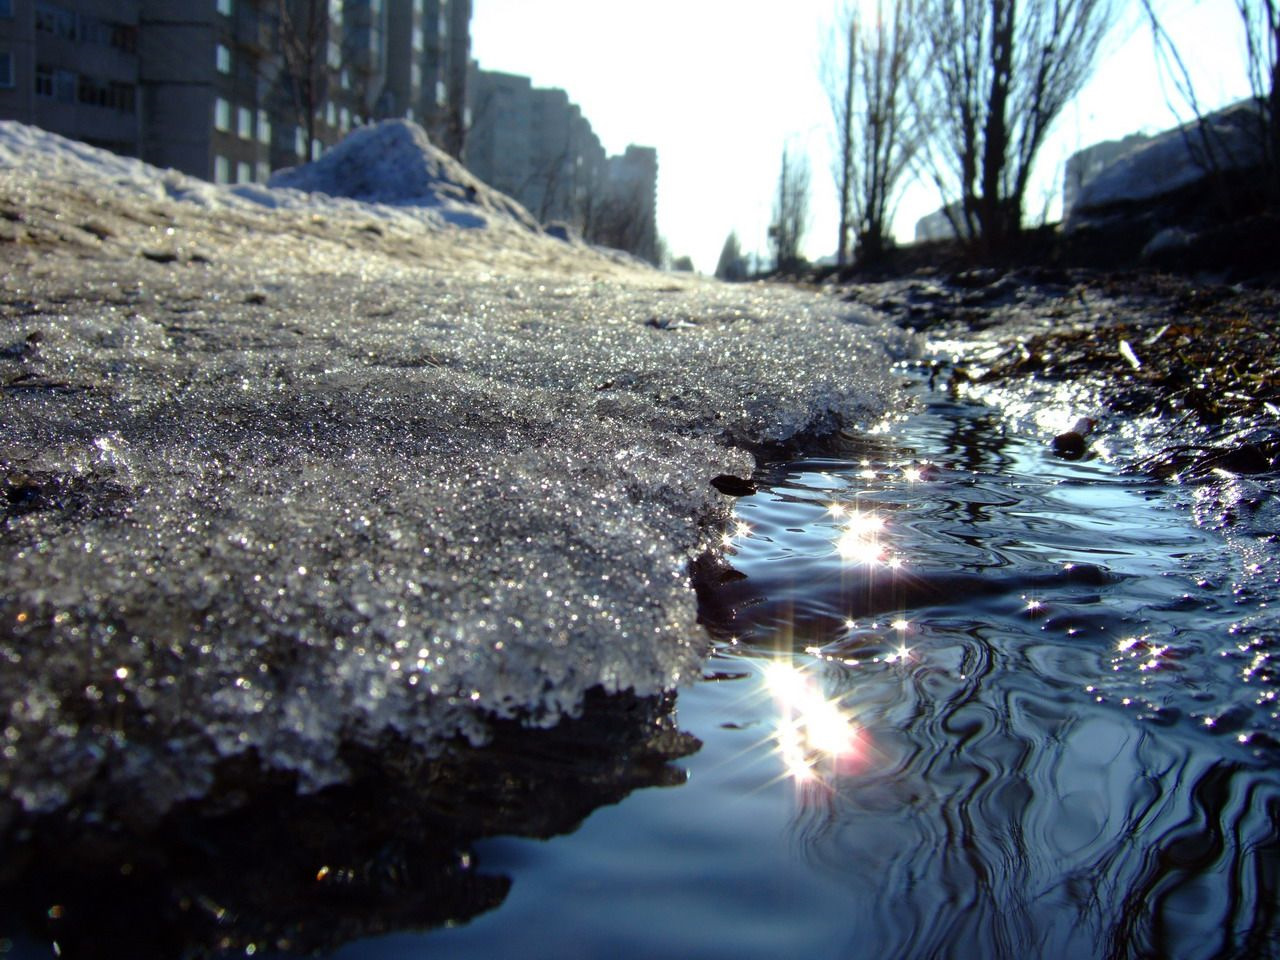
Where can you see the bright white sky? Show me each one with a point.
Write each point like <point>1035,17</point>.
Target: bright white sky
<point>720,86</point>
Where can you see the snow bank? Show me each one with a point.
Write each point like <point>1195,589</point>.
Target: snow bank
<point>391,169</point>
<point>1230,139</point>
<point>327,487</point>
<point>394,162</point>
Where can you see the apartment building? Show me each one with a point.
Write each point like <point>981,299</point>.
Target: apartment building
<point>535,145</point>
<point>206,86</point>
<point>73,70</point>
<point>426,68</point>
<point>631,196</point>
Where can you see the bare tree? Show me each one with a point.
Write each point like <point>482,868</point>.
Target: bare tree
<point>1262,36</point>
<point>1000,72</point>
<point>790,212</point>
<point>876,125</point>
<point>838,78</point>
<point>304,48</point>
<point>622,220</point>
<point>1260,20</point>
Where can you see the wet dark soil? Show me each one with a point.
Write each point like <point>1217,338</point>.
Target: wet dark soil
<point>1200,355</point>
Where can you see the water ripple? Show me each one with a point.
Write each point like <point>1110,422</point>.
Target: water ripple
<point>1058,697</point>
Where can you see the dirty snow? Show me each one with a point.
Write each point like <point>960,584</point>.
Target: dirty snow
<point>1230,139</point>
<point>394,162</point>
<point>289,472</point>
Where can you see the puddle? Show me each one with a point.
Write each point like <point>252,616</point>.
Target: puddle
<point>971,700</point>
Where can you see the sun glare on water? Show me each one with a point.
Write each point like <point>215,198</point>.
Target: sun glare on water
<point>816,737</point>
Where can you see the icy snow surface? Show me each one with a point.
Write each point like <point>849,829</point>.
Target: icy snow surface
<point>283,477</point>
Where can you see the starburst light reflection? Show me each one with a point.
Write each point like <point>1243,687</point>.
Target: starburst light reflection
<point>859,540</point>
<point>816,737</point>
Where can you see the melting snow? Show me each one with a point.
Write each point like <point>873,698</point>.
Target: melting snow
<point>285,472</point>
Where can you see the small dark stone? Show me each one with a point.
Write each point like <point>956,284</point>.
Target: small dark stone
<point>1069,445</point>
<point>1090,574</point>
<point>256,298</point>
<point>160,256</point>
<point>733,486</point>
<point>974,279</point>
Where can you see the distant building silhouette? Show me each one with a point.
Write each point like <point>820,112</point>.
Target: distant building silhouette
<point>202,86</point>
<point>535,145</point>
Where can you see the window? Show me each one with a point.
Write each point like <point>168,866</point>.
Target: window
<point>330,114</point>
<point>221,170</point>
<point>442,94</point>
<point>244,123</point>
<point>6,69</point>
<point>122,97</point>
<point>226,7</point>
<point>44,81</point>
<point>124,37</point>
<point>50,18</point>
<point>344,120</point>
<point>264,171</point>
<point>299,143</point>
<point>93,30</point>
<point>64,85</point>
<point>222,115</point>
<point>317,148</point>
<point>244,173</point>
<point>224,58</point>
<point>264,127</point>
<point>6,9</point>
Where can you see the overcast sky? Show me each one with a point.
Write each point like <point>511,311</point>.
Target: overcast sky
<point>720,86</point>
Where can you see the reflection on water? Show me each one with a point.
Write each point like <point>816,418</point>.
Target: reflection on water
<point>1018,684</point>
<point>817,739</point>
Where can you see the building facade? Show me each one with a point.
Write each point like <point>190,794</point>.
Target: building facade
<point>73,70</point>
<point>229,90</point>
<point>536,146</point>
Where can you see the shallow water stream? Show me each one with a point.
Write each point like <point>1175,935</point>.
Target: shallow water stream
<point>970,699</point>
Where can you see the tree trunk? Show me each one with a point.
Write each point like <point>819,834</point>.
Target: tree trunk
<point>992,212</point>
<point>846,146</point>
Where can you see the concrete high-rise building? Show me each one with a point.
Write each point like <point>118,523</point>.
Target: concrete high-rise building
<point>500,143</point>
<point>73,70</point>
<point>536,146</point>
<point>427,76</point>
<point>631,193</point>
<point>205,86</point>
<point>205,71</point>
